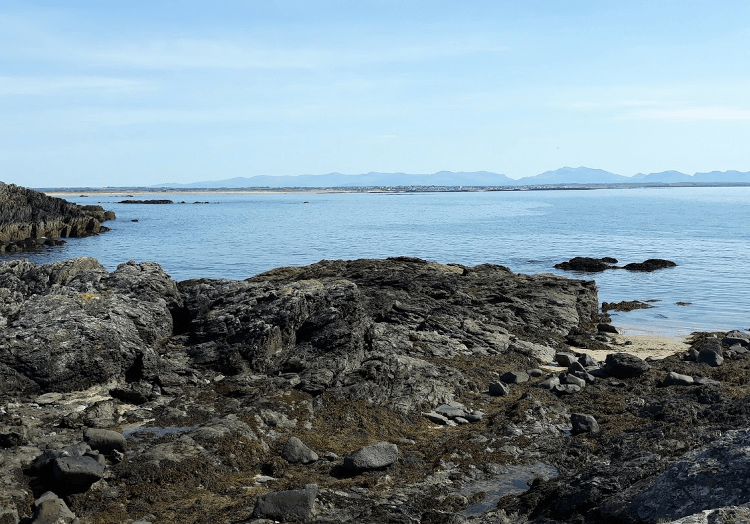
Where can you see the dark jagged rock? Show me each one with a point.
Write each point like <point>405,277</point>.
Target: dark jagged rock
<point>624,365</point>
<point>596,265</point>
<point>30,219</point>
<point>587,264</point>
<point>625,305</point>
<point>652,264</point>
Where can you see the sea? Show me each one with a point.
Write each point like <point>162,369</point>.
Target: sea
<point>705,230</point>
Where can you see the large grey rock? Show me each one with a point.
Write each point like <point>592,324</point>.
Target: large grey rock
<point>51,509</point>
<point>74,325</point>
<point>583,423</point>
<point>625,365</point>
<point>76,473</point>
<point>374,456</point>
<point>711,355</point>
<point>104,440</point>
<point>713,477</point>
<point>296,452</point>
<point>287,506</point>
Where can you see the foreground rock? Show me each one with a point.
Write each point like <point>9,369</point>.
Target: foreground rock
<point>346,391</point>
<point>30,219</point>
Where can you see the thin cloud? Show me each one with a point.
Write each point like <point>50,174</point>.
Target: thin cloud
<point>41,85</point>
<point>698,113</point>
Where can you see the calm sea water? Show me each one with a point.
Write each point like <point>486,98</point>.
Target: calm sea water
<point>706,231</point>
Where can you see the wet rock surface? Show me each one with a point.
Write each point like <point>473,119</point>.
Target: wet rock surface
<point>30,220</point>
<point>347,391</point>
<point>596,265</point>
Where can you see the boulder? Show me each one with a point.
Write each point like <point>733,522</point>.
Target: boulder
<point>104,440</point>
<point>587,264</point>
<point>286,506</point>
<point>583,423</point>
<point>514,377</point>
<point>296,452</point>
<point>713,356</point>
<point>76,474</point>
<point>374,456</point>
<point>652,264</point>
<point>676,379</point>
<point>51,509</point>
<point>607,328</point>
<point>625,365</point>
<point>564,358</point>
<point>498,389</point>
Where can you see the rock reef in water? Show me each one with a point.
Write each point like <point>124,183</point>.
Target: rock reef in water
<point>30,219</point>
<point>597,265</point>
<point>348,391</point>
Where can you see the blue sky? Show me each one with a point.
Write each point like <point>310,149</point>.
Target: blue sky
<point>93,94</point>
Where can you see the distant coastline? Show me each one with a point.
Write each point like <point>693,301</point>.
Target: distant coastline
<point>125,191</point>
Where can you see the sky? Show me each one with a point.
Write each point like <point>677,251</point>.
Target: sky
<point>139,93</point>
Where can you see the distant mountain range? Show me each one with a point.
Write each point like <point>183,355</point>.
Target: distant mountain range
<point>562,176</point>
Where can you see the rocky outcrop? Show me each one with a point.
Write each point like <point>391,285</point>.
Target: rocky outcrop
<point>368,391</point>
<point>30,219</point>
<point>596,265</point>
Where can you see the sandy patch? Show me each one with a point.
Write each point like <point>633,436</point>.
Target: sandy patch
<point>641,346</point>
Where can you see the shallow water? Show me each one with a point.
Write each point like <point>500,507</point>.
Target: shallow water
<point>513,480</point>
<point>704,230</point>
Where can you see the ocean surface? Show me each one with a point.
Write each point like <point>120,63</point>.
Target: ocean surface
<point>706,231</point>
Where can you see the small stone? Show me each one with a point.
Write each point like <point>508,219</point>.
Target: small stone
<point>476,416</point>
<point>607,328</point>
<point>676,379</point>
<point>498,389</point>
<point>703,381</point>
<point>583,424</point>
<point>296,452</point>
<point>514,377</point>
<point>374,456</point>
<point>587,377</point>
<point>566,389</point>
<point>535,372</point>
<point>576,367</point>
<point>572,379</point>
<point>549,384</point>
<point>460,420</point>
<point>588,361</point>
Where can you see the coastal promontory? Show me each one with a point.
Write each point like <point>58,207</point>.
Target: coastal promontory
<point>29,219</point>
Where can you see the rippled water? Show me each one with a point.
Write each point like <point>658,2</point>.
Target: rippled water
<point>706,231</point>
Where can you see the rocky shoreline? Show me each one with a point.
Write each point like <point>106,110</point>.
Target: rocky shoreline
<point>395,390</point>
<point>30,220</point>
